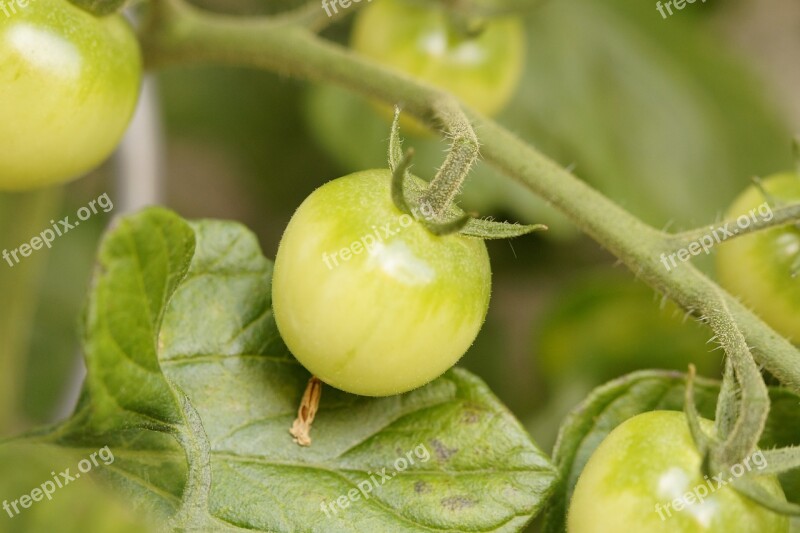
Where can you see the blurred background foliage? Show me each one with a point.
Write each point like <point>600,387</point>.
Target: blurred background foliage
<point>670,118</point>
<point>78,506</point>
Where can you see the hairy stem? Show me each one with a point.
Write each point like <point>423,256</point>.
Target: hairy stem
<point>462,156</point>
<point>780,216</point>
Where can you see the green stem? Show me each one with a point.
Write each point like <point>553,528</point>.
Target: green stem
<point>781,216</point>
<point>461,157</point>
<point>181,35</point>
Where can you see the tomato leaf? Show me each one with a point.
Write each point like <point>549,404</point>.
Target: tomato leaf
<point>193,390</point>
<point>649,390</point>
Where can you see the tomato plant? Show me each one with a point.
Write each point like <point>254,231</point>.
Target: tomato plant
<point>423,40</point>
<point>199,349</point>
<point>764,268</point>
<point>646,476</point>
<point>70,82</point>
<point>391,305</point>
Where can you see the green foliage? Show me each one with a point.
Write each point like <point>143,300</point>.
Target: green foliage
<point>194,392</point>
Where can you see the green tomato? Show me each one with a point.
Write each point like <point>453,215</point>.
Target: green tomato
<point>646,476</point>
<point>69,85</point>
<point>763,268</point>
<point>366,298</point>
<point>423,41</point>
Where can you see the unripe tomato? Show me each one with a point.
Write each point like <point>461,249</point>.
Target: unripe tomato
<point>763,268</point>
<point>646,476</point>
<point>68,83</point>
<point>422,40</point>
<point>366,298</point>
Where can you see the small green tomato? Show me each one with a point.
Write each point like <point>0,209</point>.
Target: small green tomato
<point>422,40</point>
<point>763,269</point>
<point>646,476</point>
<point>69,82</point>
<point>366,298</point>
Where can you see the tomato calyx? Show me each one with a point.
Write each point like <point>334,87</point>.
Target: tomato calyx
<point>449,218</point>
<point>737,437</point>
<point>422,213</point>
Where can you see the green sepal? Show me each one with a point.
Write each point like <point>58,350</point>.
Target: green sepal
<point>490,229</point>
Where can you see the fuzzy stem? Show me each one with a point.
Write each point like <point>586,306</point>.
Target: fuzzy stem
<point>781,216</point>
<point>460,159</point>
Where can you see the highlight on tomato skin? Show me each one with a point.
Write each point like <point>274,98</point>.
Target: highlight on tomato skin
<point>646,475</point>
<point>69,83</point>
<point>763,268</point>
<point>366,298</point>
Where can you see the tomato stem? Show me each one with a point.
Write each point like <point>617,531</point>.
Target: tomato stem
<point>461,157</point>
<point>781,216</point>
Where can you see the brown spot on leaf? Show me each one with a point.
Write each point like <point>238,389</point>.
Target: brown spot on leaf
<point>470,417</point>
<point>442,452</point>
<point>472,413</point>
<point>456,503</point>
